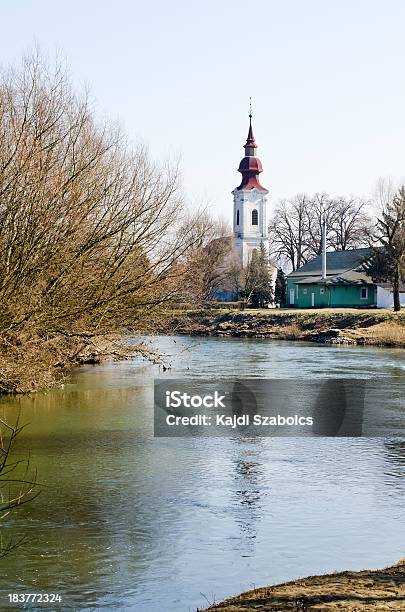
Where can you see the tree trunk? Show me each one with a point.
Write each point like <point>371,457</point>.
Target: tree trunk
<point>395,290</point>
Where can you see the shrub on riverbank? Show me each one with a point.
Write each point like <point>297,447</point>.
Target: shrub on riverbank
<point>32,362</point>
<point>92,234</point>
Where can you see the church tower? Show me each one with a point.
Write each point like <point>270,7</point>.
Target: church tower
<point>250,203</point>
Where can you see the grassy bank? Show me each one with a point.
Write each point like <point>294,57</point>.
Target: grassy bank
<point>363,591</point>
<point>339,326</point>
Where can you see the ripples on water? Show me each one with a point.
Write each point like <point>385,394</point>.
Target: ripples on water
<point>126,521</point>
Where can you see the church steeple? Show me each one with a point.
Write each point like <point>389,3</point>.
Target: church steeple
<point>250,145</point>
<point>250,167</point>
<point>250,203</point>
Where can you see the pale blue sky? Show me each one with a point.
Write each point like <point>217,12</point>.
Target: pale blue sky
<point>327,80</point>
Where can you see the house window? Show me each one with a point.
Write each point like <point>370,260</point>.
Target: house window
<point>255,217</point>
<point>364,293</point>
<point>237,217</point>
<point>305,291</point>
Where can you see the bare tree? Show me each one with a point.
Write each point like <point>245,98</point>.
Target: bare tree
<point>206,263</point>
<point>346,218</point>
<point>296,228</point>
<point>319,207</point>
<point>387,239</point>
<point>351,224</point>
<point>91,232</point>
<point>289,231</point>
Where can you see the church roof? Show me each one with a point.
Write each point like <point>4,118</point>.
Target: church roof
<point>250,142</point>
<point>250,166</point>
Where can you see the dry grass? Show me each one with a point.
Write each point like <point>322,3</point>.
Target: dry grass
<point>291,331</point>
<point>369,590</point>
<point>388,332</point>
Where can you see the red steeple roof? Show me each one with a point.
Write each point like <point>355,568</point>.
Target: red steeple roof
<point>250,166</point>
<point>250,142</point>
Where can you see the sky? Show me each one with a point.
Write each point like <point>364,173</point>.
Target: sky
<point>326,78</point>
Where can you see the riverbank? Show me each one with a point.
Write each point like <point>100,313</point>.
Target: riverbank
<point>29,364</point>
<point>349,591</point>
<point>334,326</point>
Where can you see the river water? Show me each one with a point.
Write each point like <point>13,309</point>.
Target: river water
<point>126,521</point>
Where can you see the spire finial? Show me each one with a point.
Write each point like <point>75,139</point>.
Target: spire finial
<point>250,145</point>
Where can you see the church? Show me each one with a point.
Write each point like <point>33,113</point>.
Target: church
<point>250,226</point>
<point>334,279</point>
<point>250,222</point>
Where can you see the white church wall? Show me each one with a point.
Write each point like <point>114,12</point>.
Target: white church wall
<point>247,235</point>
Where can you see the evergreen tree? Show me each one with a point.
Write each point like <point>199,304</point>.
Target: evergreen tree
<point>258,288</point>
<point>280,288</point>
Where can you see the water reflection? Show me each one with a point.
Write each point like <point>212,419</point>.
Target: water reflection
<point>127,521</point>
<point>395,462</point>
<point>249,489</point>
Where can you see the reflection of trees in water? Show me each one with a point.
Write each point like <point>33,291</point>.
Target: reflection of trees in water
<point>249,490</point>
<point>394,454</point>
<point>18,481</point>
<point>393,470</point>
<point>81,527</point>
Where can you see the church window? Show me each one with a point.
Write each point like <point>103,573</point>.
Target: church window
<point>237,217</point>
<point>255,217</point>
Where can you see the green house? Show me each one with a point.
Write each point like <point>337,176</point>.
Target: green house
<point>346,284</point>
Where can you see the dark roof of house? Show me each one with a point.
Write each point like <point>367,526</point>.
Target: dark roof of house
<point>337,262</point>
<point>346,278</point>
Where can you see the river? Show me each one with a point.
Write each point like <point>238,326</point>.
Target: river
<point>130,522</point>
